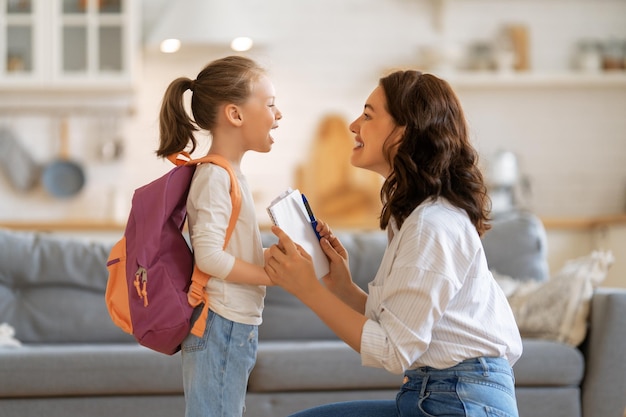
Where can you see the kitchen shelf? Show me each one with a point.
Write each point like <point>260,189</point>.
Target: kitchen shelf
<point>584,223</point>
<point>74,98</point>
<point>495,80</point>
<point>53,226</point>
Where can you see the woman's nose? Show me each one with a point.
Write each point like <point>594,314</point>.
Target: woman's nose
<point>354,126</point>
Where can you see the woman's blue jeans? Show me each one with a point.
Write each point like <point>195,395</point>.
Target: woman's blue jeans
<point>473,388</point>
<point>216,367</point>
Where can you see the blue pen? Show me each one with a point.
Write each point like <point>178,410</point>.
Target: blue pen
<point>311,216</point>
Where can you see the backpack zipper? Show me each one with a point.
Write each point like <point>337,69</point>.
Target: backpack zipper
<point>142,291</point>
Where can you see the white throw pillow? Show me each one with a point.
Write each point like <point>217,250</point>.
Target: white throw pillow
<point>557,309</point>
<point>7,336</point>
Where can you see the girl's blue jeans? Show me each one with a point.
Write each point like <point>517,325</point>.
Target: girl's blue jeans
<point>216,367</point>
<point>475,387</point>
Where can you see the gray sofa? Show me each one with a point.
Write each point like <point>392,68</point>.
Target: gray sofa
<point>74,362</point>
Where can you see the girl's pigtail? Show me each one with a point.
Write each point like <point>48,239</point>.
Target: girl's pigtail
<point>176,128</point>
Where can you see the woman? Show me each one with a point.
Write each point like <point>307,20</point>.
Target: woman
<point>433,312</point>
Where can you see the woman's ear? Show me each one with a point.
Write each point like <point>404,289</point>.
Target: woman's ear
<point>233,114</point>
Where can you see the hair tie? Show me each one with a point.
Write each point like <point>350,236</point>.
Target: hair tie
<point>192,85</point>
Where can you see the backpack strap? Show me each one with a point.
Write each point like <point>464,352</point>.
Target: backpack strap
<point>180,158</point>
<point>199,279</point>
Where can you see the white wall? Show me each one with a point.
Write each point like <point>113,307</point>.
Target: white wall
<point>570,141</point>
<point>327,56</point>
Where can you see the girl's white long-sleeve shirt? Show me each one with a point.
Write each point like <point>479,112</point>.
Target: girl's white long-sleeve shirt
<point>208,209</point>
<point>434,301</point>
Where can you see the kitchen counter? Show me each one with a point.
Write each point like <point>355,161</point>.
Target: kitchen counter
<point>550,223</point>
<point>66,226</point>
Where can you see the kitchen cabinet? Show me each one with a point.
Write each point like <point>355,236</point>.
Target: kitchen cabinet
<point>66,53</point>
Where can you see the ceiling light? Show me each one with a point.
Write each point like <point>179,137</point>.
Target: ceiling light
<point>169,46</point>
<point>241,44</point>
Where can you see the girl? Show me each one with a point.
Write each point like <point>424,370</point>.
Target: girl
<point>434,311</point>
<point>233,99</point>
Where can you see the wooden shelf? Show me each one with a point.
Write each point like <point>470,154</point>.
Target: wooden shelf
<point>53,226</point>
<point>495,80</point>
<point>583,223</point>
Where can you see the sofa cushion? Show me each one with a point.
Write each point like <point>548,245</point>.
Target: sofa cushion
<point>315,365</point>
<point>549,364</point>
<point>51,289</point>
<point>90,369</point>
<point>333,365</point>
<point>516,246</point>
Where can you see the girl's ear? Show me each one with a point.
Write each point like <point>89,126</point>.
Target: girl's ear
<point>233,114</point>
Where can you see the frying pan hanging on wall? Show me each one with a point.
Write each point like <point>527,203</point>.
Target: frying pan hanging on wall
<point>63,178</point>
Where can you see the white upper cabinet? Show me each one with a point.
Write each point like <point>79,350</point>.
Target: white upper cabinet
<point>85,46</point>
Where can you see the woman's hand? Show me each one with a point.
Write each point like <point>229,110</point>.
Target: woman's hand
<point>339,276</point>
<point>339,280</point>
<point>290,266</point>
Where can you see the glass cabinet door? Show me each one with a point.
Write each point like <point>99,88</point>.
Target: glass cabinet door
<point>51,43</point>
<point>110,6</point>
<point>74,48</point>
<point>110,49</point>
<point>19,27</point>
<point>110,36</point>
<point>92,37</point>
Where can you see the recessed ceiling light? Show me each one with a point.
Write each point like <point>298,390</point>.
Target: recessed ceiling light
<point>241,44</point>
<point>169,46</point>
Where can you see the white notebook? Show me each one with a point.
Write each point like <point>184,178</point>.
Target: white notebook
<point>288,212</point>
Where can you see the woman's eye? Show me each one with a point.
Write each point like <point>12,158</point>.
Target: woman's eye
<point>366,116</point>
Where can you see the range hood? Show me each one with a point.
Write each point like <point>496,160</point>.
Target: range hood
<point>210,22</point>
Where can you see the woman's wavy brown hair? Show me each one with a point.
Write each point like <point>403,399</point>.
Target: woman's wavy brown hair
<point>434,158</point>
<point>225,80</point>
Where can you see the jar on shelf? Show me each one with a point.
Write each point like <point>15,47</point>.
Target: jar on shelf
<point>481,56</point>
<point>613,55</point>
<point>589,56</point>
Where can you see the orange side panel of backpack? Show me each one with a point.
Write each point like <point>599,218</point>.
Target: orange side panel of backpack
<point>116,295</point>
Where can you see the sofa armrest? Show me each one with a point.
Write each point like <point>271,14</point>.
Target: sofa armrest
<point>604,386</point>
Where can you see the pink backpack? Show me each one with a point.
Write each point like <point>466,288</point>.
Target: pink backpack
<point>151,268</point>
